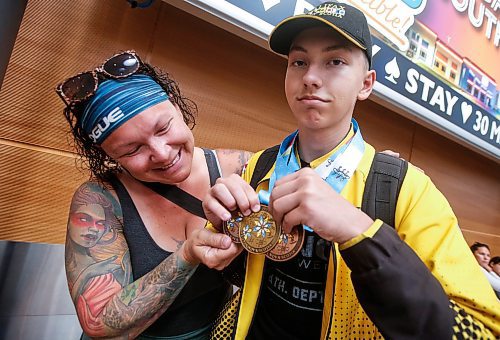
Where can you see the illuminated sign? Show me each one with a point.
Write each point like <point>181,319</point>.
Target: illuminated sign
<point>392,18</point>
<point>442,71</point>
<point>432,98</point>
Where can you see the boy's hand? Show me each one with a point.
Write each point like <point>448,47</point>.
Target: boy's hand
<point>304,198</point>
<point>396,154</point>
<point>391,153</point>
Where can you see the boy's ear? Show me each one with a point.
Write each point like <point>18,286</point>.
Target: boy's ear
<point>368,83</point>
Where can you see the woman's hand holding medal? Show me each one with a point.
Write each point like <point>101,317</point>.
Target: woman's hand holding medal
<point>227,195</point>
<point>212,249</point>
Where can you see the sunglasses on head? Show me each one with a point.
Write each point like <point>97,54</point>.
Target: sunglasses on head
<point>82,86</point>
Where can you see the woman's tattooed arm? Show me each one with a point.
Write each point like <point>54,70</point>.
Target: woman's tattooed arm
<point>108,303</point>
<point>140,303</point>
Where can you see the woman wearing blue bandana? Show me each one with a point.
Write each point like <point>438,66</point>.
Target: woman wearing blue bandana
<point>132,255</point>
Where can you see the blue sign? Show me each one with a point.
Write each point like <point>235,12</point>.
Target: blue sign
<point>399,74</point>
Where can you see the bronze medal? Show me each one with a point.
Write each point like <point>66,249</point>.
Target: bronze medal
<point>232,227</point>
<point>288,245</point>
<point>258,231</point>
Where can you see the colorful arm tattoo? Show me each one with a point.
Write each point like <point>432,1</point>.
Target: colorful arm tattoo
<point>99,272</point>
<point>140,303</point>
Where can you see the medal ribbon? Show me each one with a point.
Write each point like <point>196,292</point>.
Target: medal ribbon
<point>337,170</point>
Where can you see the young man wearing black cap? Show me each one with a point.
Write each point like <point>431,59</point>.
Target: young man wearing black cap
<point>353,277</point>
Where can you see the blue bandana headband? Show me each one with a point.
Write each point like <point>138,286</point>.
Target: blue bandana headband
<point>116,101</point>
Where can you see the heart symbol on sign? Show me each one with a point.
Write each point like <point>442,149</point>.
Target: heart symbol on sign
<point>466,111</point>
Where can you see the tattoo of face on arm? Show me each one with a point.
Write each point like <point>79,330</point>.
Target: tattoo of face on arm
<point>108,303</point>
<point>93,245</point>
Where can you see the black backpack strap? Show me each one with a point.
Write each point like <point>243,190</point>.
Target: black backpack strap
<point>213,165</point>
<point>178,196</point>
<point>264,164</point>
<point>382,187</point>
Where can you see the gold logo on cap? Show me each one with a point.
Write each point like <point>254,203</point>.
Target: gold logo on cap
<point>329,9</point>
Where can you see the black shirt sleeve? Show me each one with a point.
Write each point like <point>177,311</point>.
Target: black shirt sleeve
<point>397,291</point>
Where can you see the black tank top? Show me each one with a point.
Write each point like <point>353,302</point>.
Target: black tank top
<point>201,299</point>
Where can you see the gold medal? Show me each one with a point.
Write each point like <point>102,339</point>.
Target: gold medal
<point>258,231</point>
<point>288,245</point>
<point>232,227</point>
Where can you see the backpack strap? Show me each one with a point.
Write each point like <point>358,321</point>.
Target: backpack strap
<point>214,170</point>
<point>264,164</point>
<point>382,187</point>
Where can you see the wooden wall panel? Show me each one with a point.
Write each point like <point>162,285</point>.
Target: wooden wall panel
<point>236,85</point>
<point>385,129</point>
<point>58,39</point>
<point>469,181</point>
<point>35,193</point>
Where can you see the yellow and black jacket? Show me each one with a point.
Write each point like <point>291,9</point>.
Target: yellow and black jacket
<point>416,280</point>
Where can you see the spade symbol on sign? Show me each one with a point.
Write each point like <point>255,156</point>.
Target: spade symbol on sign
<point>392,70</point>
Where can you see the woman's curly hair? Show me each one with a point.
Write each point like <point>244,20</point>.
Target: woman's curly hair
<point>91,155</point>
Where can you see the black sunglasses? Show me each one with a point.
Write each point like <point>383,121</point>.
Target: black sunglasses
<point>82,86</point>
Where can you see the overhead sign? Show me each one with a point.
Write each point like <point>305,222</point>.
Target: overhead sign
<point>443,71</point>
<point>433,99</point>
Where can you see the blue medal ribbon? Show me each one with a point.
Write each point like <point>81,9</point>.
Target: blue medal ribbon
<point>337,170</point>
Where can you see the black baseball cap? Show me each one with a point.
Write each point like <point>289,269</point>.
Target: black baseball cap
<point>345,19</point>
